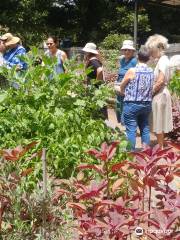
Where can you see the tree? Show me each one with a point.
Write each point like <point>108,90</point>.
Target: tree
<point>87,20</point>
<point>26,18</point>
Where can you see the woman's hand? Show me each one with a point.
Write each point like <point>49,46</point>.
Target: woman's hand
<point>159,83</point>
<point>118,89</point>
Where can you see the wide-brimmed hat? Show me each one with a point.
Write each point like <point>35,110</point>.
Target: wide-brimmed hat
<point>128,44</point>
<point>90,48</point>
<point>9,39</point>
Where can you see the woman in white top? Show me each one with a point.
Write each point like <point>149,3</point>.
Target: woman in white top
<point>53,51</point>
<point>161,105</point>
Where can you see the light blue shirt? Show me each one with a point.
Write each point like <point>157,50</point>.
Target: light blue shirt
<point>12,57</point>
<point>125,66</point>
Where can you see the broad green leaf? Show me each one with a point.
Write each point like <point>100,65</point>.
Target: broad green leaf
<point>3,97</point>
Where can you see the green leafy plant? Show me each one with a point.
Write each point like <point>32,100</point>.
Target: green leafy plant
<point>114,41</point>
<point>22,199</point>
<point>58,111</point>
<point>174,84</point>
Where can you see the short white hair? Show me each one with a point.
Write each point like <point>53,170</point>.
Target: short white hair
<point>157,42</point>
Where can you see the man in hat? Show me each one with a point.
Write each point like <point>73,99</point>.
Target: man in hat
<point>14,51</point>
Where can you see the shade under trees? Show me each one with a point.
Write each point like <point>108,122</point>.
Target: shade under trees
<point>86,20</point>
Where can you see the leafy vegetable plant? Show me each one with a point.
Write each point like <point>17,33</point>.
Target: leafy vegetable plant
<point>57,110</point>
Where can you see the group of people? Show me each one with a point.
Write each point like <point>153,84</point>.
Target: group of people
<point>12,51</point>
<point>141,92</point>
<point>142,96</point>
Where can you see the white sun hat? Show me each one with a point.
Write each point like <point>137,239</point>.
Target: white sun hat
<point>90,48</point>
<point>128,44</point>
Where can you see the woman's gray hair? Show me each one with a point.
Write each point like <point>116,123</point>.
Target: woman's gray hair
<point>143,54</point>
<point>157,42</point>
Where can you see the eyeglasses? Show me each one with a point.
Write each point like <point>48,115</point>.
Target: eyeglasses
<point>49,44</point>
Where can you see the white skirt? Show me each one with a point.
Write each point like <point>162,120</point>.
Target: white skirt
<point>162,121</point>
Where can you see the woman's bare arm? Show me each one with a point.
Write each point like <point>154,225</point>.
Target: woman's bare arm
<point>159,82</point>
<point>99,73</point>
<point>128,76</point>
<point>63,56</point>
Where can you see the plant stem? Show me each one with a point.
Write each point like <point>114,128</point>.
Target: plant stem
<point>149,204</point>
<point>44,191</point>
<point>108,180</point>
<point>149,198</point>
<point>143,201</point>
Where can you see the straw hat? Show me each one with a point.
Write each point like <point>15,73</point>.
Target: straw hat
<point>90,48</point>
<point>128,44</point>
<point>9,39</point>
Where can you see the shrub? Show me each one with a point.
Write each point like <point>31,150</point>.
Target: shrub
<point>114,41</point>
<point>174,86</point>
<point>174,83</point>
<point>111,200</point>
<point>175,133</point>
<point>56,110</point>
<point>25,210</point>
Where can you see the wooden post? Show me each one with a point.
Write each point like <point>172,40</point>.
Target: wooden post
<point>135,22</point>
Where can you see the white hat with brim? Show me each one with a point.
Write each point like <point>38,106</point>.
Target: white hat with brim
<point>128,44</point>
<point>90,48</point>
<point>9,39</point>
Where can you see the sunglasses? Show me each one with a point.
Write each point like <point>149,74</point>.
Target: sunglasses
<point>49,44</point>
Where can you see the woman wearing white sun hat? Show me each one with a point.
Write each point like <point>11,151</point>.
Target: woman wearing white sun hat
<point>92,60</point>
<point>127,61</point>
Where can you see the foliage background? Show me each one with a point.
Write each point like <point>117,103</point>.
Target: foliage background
<point>57,110</point>
<point>85,20</point>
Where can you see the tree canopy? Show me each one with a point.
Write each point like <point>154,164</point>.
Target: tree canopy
<point>85,20</point>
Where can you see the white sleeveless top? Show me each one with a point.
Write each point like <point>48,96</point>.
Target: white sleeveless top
<point>59,67</point>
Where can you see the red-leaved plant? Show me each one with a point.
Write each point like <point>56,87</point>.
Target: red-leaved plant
<point>111,200</point>
<point>10,179</point>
